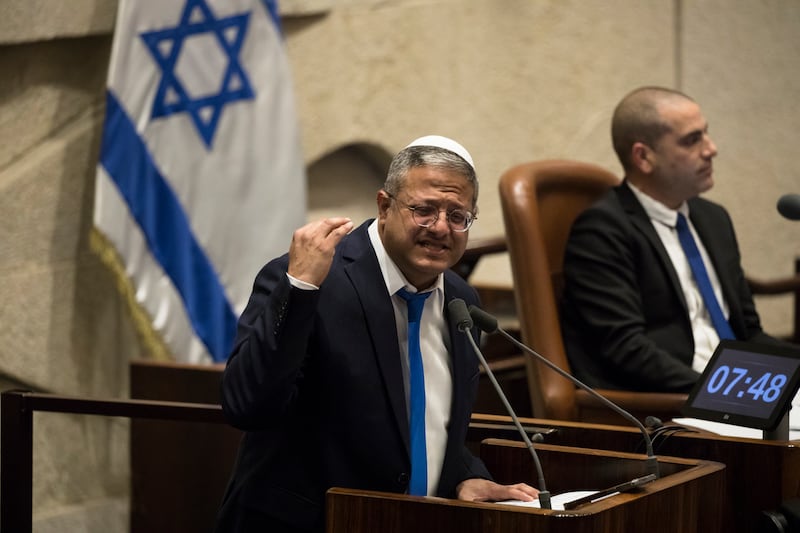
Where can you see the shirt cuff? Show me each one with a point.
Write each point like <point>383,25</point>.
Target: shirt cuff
<point>302,285</point>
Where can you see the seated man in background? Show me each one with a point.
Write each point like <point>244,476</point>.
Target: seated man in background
<point>346,370</point>
<point>652,273</point>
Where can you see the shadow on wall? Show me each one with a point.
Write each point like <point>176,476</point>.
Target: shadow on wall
<point>346,181</point>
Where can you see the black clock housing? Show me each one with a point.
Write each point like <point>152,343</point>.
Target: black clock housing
<point>746,384</point>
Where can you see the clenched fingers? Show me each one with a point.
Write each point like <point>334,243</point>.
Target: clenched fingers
<point>313,246</point>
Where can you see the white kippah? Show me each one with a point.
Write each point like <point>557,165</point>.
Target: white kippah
<point>443,142</point>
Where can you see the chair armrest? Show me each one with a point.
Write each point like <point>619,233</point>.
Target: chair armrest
<point>790,285</point>
<point>664,405</point>
<point>477,248</point>
<point>775,286</point>
<point>661,401</point>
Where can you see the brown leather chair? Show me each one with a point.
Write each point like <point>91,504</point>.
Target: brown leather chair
<point>540,201</point>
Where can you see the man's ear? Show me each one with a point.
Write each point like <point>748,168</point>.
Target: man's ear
<point>642,158</point>
<point>384,202</point>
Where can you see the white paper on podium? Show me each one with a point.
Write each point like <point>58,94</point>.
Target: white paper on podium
<point>729,430</point>
<point>557,502</point>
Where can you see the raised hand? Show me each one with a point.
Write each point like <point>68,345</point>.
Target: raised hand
<point>313,246</point>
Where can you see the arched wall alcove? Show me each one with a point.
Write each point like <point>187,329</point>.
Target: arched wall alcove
<point>345,182</point>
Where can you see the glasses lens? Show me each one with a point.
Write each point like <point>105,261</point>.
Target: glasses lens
<point>460,220</point>
<point>425,215</point>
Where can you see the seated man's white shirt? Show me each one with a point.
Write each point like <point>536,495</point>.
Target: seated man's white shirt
<point>664,221</point>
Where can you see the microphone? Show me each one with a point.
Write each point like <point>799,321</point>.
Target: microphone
<point>653,422</point>
<point>789,206</point>
<point>461,316</point>
<point>488,323</point>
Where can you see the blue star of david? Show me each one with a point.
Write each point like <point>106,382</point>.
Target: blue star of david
<point>166,45</point>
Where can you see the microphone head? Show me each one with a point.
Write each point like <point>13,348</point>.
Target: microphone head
<point>653,422</point>
<point>459,314</point>
<point>789,206</point>
<point>486,322</point>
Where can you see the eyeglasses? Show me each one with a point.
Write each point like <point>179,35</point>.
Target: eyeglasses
<point>426,216</point>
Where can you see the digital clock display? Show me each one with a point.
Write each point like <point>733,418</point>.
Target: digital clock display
<point>746,384</point>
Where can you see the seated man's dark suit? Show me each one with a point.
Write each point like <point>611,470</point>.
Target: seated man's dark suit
<point>624,317</point>
<point>315,379</point>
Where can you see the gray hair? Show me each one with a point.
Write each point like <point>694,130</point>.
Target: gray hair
<point>428,156</point>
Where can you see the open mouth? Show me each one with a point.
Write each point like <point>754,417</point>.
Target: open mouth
<point>434,247</point>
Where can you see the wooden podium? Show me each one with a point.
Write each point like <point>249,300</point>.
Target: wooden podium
<point>179,471</point>
<point>176,487</point>
<point>759,474</point>
<point>685,498</point>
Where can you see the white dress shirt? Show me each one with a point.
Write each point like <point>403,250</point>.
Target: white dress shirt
<point>664,221</point>
<point>435,347</point>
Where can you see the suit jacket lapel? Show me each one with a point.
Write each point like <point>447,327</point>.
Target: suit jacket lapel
<point>370,288</point>
<point>642,223</point>
<point>462,367</point>
<point>460,354</point>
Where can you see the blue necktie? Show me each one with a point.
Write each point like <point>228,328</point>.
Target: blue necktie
<point>701,277</point>
<point>418,485</point>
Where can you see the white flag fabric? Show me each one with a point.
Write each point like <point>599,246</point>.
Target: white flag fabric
<point>201,178</point>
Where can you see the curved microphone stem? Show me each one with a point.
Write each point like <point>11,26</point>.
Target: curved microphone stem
<point>544,494</point>
<point>651,462</point>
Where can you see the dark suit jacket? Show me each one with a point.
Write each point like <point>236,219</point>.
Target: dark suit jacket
<point>315,379</point>
<point>624,317</point>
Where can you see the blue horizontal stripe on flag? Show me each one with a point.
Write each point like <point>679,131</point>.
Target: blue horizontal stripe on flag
<point>166,229</point>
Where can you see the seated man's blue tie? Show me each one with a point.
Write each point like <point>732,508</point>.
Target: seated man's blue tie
<point>701,277</point>
<point>418,485</point>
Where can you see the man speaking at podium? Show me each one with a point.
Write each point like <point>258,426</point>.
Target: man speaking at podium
<point>653,276</point>
<point>345,369</point>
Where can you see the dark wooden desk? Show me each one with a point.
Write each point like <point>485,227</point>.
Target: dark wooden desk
<point>760,475</point>
<point>684,498</point>
<point>195,484</point>
<point>178,471</point>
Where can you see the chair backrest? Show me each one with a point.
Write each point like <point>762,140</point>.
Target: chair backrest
<point>540,201</point>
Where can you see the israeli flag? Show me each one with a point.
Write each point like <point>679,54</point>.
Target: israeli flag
<point>201,178</point>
